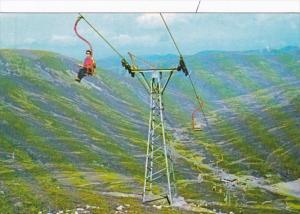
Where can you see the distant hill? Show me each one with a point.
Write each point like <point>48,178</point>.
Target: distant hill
<point>74,143</point>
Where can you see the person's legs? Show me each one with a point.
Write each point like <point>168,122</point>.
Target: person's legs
<point>81,74</point>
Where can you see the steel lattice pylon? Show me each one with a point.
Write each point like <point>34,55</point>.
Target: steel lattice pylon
<point>158,167</point>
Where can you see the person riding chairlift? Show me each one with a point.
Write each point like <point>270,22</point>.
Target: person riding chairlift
<point>88,67</point>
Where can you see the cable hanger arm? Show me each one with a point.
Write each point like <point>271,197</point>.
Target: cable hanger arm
<point>79,36</point>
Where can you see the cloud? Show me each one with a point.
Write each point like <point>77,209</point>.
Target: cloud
<point>29,41</point>
<point>154,20</point>
<point>145,33</point>
<point>62,39</point>
<point>6,15</point>
<point>149,20</point>
<point>141,40</point>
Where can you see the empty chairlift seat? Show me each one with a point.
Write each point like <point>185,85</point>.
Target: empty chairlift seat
<point>198,122</point>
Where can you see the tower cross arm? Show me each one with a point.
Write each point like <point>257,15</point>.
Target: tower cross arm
<point>153,69</point>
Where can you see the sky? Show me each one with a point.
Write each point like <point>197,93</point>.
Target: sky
<point>145,34</point>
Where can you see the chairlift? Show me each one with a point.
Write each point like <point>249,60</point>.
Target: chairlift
<point>197,120</point>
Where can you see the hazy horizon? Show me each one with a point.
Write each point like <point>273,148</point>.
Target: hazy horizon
<point>145,34</point>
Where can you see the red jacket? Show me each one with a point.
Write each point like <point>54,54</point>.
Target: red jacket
<point>89,63</point>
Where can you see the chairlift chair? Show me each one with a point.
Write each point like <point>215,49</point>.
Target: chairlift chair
<point>197,119</point>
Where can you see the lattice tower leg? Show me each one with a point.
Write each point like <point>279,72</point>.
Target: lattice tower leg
<point>159,180</point>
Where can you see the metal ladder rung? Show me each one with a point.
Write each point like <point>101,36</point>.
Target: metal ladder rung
<point>149,176</point>
<point>157,125</point>
<point>158,171</point>
<point>153,179</point>
<point>157,149</point>
<point>157,157</point>
<point>156,138</point>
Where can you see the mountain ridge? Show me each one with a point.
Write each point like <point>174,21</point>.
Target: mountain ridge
<point>94,133</point>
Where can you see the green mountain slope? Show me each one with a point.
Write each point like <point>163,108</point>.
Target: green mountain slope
<point>83,144</point>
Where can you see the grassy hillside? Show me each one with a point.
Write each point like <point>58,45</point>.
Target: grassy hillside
<point>82,145</point>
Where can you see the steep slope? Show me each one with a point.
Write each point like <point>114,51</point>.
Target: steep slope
<point>73,142</point>
<point>64,134</point>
